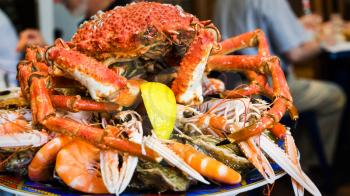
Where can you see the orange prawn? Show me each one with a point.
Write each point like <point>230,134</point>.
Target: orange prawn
<point>77,164</point>
<point>205,165</point>
<point>39,168</point>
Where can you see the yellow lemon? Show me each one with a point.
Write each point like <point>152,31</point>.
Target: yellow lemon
<point>160,105</point>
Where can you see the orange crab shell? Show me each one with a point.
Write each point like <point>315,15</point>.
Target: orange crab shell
<point>131,30</point>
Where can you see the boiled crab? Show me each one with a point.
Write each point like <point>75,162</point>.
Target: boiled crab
<point>146,31</point>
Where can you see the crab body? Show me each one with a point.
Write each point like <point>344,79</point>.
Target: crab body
<point>145,30</point>
<point>150,30</point>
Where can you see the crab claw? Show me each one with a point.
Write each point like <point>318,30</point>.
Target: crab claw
<point>131,94</point>
<point>102,83</point>
<point>258,159</point>
<point>281,158</point>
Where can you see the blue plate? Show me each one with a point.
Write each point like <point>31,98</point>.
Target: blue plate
<point>253,180</point>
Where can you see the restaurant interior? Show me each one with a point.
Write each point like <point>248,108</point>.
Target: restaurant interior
<point>312,42</point>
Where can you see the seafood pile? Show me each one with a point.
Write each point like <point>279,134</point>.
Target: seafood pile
<point>96,113</point>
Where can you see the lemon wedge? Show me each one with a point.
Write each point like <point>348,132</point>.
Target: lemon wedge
<point>160,104</point>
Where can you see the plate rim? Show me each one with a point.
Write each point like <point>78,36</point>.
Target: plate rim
<point>246,188</point>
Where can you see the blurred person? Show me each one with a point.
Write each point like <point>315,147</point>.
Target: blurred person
<point>293,44</point>
<point>86,8</point>
<point>8,55</point>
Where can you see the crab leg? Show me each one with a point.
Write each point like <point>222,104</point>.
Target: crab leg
<point>25,70</point>
<point>29,67</point>
<point>44,113</point>
<point>264,65</point>
<point>258,84</point>
<point>75,104</point>
<point>266,122</point>
<point>259,64</point>
<point>40,101</point>
<point>187,86</point>
<point>97,136</point>
<point>255,38</point>
<point>252,64</point>
<point>251,39</point>
<point>283,98</point>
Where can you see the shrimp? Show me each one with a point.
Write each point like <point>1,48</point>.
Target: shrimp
<point>77,164</point>
<point>205,165</point>
<point>39,168</point>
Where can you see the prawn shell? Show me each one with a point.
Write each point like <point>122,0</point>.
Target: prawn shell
<point>229,154</point>
<point>205,165</point>
<point>40,168</point>
<point>77,164</point>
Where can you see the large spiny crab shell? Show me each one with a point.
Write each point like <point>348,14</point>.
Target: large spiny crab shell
<point>130,31</point>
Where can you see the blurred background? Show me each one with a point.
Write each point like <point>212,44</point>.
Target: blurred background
<point>27,14</point>
<point>328,21</point>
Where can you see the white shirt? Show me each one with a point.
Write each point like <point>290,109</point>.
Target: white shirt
<point>8,41</point>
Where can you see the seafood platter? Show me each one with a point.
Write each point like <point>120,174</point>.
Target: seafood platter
<point>127,105</point>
